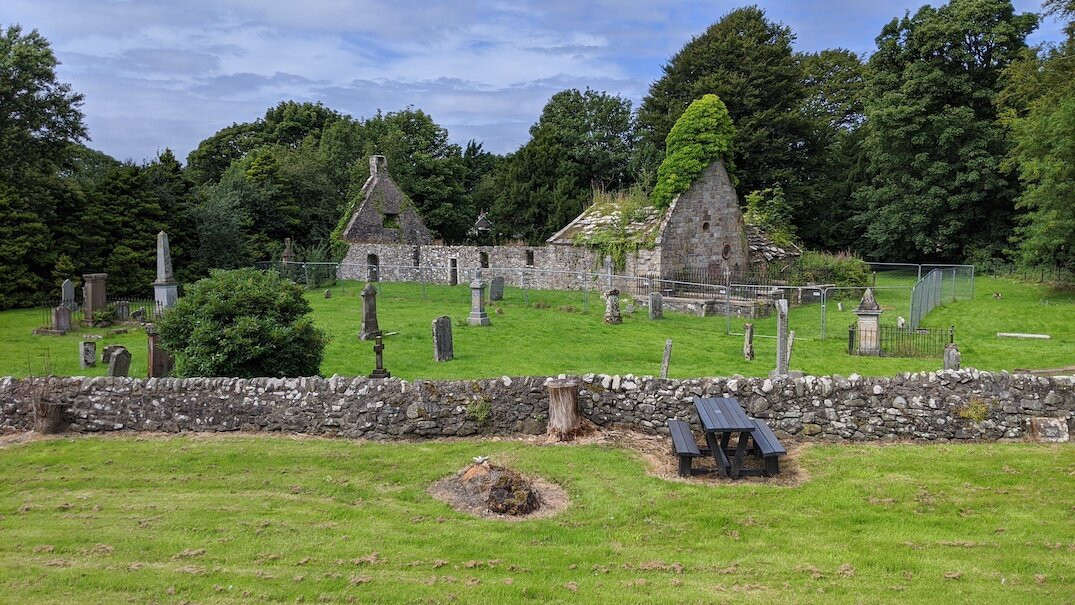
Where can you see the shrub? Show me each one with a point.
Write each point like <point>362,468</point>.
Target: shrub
<point>244,323</point>
<point>770,210</point>
<point>700,136</point>
<point>842,269</point>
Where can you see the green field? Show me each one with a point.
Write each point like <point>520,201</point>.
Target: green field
<point>569,337</point>
<point>250,519</point>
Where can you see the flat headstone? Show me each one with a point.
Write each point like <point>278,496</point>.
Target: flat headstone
<point>61,318</point>
<point>119,363</point>
<point>1022,335</point>
<point>496,288</point>
<point>443,349</point>
<point>1049,430</point>
<point>656,305</point>
<point>87,354</point>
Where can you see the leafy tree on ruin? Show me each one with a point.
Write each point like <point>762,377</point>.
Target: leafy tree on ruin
<point>935,189</point>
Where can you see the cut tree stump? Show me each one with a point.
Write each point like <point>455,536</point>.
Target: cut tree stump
<point>565,420</point>
<point>48,418</point>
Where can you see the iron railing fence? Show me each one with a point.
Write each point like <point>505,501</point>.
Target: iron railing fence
<point>118,309</point>
<point>893,341</point>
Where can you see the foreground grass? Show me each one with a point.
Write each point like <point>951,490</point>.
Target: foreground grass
<point>566,335</point>
<point>219,520</point>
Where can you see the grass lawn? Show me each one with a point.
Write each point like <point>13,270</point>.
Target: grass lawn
<point>242,518</point>
<point>569,336</point>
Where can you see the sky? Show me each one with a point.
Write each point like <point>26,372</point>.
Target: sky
<point>162,74</point>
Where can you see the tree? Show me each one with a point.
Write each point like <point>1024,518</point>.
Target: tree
<point>243,323</point>
<point>932,141</point>
<point>748,62</point>
<point>702,135</point>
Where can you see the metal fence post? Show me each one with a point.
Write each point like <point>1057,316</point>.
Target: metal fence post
<point>823,311</point>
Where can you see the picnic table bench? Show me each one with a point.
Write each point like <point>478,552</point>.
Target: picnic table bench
<point>721,417</point>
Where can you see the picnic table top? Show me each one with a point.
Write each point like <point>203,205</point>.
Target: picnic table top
<point>722,414</point>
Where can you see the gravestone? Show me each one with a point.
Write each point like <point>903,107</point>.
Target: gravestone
<point>442,339</point>
<point>378,351</point>
<point>139,314</point>
<point>106,355</point>
<point>496,288</point>
<point>328,293</point>
<point>87,354</point>
<point>791,345</point>
<point>748,342</point>
<point>900,322</point>
<point>61,318</point>
<point>952,357</point>
<point>612,307</point>
<point>478,316</point>
<point>667,358</point>
<point>656,305</point>
<point>159,362</point>
<point>67,294</point>
<point>453,272</point>
<point>165,288</point>
<point>839,306</point>
<point>1049,430</point>
<point>123,310</point>
<point>288,254</point>
<point>94,295</point>
<point>119,363</point>
<point>370,329</point>
<point>869,324</point>
<point>781,337</point>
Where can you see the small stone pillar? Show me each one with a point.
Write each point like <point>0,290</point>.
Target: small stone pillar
<point>612,307</point>
<point>370,329</point>
<point>656,305</point>
<point>61,318</point>
<point>87,354</point>
<point>119,363</point>
<point>667,359</point>
<point>782,360</point>
<point>288,254</point>
<point>159,362</point>
<point>869,324</point>
<point>378,351</point>
<point>952,357</point>
<point>748,342</point>
<point>165,288</point>
<point>496,289</point>
<point>94,296</point>
<point>443,349</point>
<point>478,316</point>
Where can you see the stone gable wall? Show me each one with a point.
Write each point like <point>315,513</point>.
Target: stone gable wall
<point>924,405</point>
<point>702,221</point>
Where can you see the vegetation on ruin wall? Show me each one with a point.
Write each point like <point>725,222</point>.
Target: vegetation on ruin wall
<point>527,339</point>
<point>700,136</point>
<point>276,519</point>
<point>622,237</point>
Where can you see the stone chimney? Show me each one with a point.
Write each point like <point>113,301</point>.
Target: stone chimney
<point>378,165</point>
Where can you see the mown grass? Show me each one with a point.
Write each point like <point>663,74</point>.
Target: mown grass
<point>567,335</point>
<point>242,519</point>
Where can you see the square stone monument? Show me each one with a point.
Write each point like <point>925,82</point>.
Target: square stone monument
<point>165,288</point>
<point>478,316</point>
<point>869,324</point>
<point>94,295</point>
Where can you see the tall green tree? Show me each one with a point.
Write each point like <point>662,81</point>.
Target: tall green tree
<point>933,143</point>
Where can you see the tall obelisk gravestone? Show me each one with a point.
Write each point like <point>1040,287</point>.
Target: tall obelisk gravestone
<point>165,288</point>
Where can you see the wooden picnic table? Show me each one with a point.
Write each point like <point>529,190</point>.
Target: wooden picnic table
<point>720,418</point>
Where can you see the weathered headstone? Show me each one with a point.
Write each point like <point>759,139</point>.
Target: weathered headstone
<point>952,357</point>
<point>159,362</point>
<point>119,363</point>
<point>443,349</point>
<point>378,351</point>
<point>656,305</point>
<point>496,288</point>
<point>869,324</point>
<point>667,358</point>
<point>328,293</point>
<point>748,342</point>
<point>94,295</point>
<point>123,310</point>
<point>478,316</point>
<point>612,307</point>
<point>370,329</point>
<point>1049,430</point>
<point>61,318</point>
<point>165,288</point>
<point>67,294</point>
<point>87,354</point>
<point>106,354</point>
<point>453,272</point>
<point>781,337</point>
<point>900,322</point>
<point>139,314</point>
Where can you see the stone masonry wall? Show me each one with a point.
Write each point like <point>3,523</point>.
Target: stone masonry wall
<point>927,405</point>
<point>700,223</point>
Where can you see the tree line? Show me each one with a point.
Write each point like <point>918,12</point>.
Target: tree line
<point>952,142</point>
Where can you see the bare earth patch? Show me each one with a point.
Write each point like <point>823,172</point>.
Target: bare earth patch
<point>468,491</point>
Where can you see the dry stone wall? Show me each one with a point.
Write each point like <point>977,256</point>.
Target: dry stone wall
<point>965,404</point>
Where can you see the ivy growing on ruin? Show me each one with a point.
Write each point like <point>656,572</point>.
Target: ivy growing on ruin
<point>702,135</point>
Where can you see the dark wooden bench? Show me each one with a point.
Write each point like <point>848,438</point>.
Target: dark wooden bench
<point>683,445</point>
<point>767,446</point>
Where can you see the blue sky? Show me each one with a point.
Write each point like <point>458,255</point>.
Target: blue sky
<point>169,73</point>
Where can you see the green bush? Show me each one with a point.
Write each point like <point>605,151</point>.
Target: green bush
<point>700,136</point>
<point>244,323</point>
<point>842,269</point>
<point>769,209</point>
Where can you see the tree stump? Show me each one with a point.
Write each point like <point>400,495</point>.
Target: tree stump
<point>565,420</point>
<point>48,418</point>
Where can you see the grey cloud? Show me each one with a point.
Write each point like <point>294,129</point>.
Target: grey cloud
<point>233,84</point>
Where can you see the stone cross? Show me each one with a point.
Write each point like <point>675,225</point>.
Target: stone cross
<point>159,362</point>
<point>496,288</point>
<point>952,357</point>
<point>869,324</point>
<point>478,316</point>
<point>67,294</point>
<point>61,318</point>
<point>165,288</point>
<point>748,342</point>
<point>369,329</point>
<point>87,354</point>
<point>781,337</point>
<point>612,307</point>
<point>443,349</point>
<point>656,305</point>
<point>667,358</point>
<point>378,350</point>
<point>94,295</point>
<point>119,363</point>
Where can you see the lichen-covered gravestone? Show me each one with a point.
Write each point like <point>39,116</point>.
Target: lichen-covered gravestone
<point>443,349</point>
<point>119,363</point>
<point>951,357</point>
<point>612,307</point>
<point>61,318</point>
<point>656,305</point>
<point>496,288</point>
<point>87,354</point>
